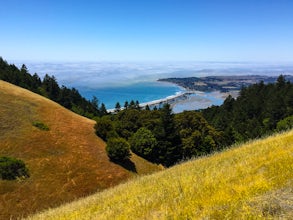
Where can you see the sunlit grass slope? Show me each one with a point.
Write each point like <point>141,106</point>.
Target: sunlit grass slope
<point>252,181</point>
<point>66,162</point>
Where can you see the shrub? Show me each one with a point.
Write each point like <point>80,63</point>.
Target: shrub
<point>41,126</point>
<point>11,168</point>
<point>118,149</point>
<point>285,124</point>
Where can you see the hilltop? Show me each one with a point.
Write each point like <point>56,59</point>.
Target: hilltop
<point>251,181</point>
<point>65,163</point>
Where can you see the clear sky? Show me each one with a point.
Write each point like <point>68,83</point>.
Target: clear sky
<point>147,30</point>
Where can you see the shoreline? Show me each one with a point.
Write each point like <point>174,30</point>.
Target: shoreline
<point>159,102</point>
<point>169,99</point>
<point>184,97</point>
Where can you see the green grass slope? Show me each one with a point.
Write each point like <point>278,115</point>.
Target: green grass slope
<point>252,181</point>
<point>66,162</point>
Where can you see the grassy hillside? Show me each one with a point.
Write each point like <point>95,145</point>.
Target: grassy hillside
<point>66,162</point>
<point>253,181</point>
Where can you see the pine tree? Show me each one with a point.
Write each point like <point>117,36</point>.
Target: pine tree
<point>117,107</point>
<point>169,143</point>
<point>103,110</point>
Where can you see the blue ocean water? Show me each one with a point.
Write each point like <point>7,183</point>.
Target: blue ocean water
<point>113,82</point>
<point>143,92</point>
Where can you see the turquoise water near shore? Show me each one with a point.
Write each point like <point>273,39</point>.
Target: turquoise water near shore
<point>146,92</point>
<point>143,92</point>
<point>113,82</point>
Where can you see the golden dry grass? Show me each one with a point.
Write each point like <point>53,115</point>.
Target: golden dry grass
<point>243,182</point>
<point>67,162</point>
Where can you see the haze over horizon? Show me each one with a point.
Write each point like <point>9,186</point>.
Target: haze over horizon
<point>153,30</point>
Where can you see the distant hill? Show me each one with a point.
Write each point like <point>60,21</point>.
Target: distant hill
<point>252,181</point>
<point>66,162</point>
<point>222,83</point>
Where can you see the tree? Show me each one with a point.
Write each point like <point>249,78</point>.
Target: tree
<point>132,104</point>
<point>143,143</point>
<point>126,105</point>
<point>118,149</point>
<point>257,111</point>
<point>103,110</point>
<point>169,142</point>
<point>137,105</point>
<point>95,102</point>
<point>281,82</point>
<point>103,127</point>
<point>51,87</point>
<point>117,107</point>
<point>11,168</point>
<point>197,136</point>
<point>128,122</point>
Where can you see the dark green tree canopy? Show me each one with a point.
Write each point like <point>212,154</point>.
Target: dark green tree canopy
<point>117,107</point>
<point>144,143</point>
<point>11,168</point>
<point>160,136</point>
<point>118,149</point>
<point>197,136</point>
<point>257,111</point>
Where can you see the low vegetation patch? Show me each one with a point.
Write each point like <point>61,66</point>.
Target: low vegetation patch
<point>12,168</point>
<point>41,126</point>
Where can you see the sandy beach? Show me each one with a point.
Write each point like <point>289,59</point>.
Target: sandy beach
<point>189,100</point>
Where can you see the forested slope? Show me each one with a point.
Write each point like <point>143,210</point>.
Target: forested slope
<point>49,87</point>
<point>260,109</point>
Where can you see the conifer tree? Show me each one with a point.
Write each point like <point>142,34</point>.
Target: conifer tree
<point>117,107</point>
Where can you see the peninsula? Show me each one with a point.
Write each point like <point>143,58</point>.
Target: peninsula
<point>223,84</point>
<point>195,87</point>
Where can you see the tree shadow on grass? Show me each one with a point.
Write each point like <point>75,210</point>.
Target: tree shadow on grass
<point>127,164</point>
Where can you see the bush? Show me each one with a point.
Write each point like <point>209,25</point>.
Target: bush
<point>285,124</point>
<point>11,168</point>
<point>143,143</point>
<point>118,149</point>
<point>41,126</point>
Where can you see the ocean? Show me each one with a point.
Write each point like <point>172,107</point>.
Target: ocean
<point>149,91</point>
<point>142,92</point>
<point>113,82</point>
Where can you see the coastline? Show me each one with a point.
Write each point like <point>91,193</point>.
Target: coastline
<point>160,102</point>
<point>189,99</point>
<point>172,100</point>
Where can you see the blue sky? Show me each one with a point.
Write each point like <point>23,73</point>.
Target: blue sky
<point>147,30</point>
